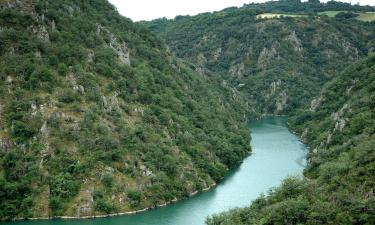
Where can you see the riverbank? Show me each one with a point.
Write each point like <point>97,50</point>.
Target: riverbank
<point>175,200</point>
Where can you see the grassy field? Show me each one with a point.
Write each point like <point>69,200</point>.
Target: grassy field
<point>367,17</point>
<point>277,15</point>
<point>330,13</point>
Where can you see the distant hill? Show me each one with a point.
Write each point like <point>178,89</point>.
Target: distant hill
<point>278,63</point>
<point>309,6</point>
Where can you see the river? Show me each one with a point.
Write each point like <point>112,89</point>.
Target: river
<point>276,153</point>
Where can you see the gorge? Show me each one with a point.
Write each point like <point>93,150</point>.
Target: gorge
<point>100,115</point>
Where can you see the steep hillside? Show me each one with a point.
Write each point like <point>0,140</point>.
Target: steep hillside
<point>279,64</point>
<point>340,177</point>
<point>97,117</point>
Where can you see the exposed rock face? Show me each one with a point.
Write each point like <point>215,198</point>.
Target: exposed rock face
<point>295,41</point>
<point>75,86</point>
<point>278,95</point>
<point>350,88</point>
<point>15,4</point>
<point>9,80</point>
<point>237,70</point>
<point>266,56</point>
<point>90,56</point>
<point>145,171</point>
<point>53,25</point>
<point>340,124</point>
<point>304,134</point>
<point>41,32</point>
<point>87,203</point>
<point>5,144</point>
<point>329,138</point>
<point>281,103</point>
<point>274,85</point>
<point>340,119</point>
<point>44,129</point>
<point>119,47</point>
<point>217,53</point>
<point>112,102</point>
<point>349,49</point>
<point>315,103</point>
<point>339,114</point>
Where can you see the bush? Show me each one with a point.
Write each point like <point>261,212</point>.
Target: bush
<point>134,197</point>
<point>68,96</point>
<point>21,131</point>
<point>62,69</point>
<point>55,205</point>
<point>41,78</point>
<point>107,180</point>
<point>64,186</point>
<point>101,204</point>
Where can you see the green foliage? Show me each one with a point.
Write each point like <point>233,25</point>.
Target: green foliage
<point>340,179</point>
<point>41,78</point>
<point>68,96</point>
<point>56,206</point>
<point>70,108</point>
<point>278,64</point>
<point>101,204</point>
<point>311,6</point>
<point>21,131</point>
<point>134,197</point>
<point>63,185</point>
<point>12,198</point>
<point>107,180</point>
<point>62,69</point>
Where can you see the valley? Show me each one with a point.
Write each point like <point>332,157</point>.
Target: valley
<point>101,115</point>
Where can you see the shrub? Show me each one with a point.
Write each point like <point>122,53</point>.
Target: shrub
<point>107,180</point>
<point>63,185</point>
<point>68,96</point>
<point>62,69</point>
<point>134,197</point>
<point>21,131</point>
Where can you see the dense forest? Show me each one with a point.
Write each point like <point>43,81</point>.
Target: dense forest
<point>98,117</point>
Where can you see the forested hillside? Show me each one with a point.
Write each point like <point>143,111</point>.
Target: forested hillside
<point>97,117</point>
<point>279,64</point>
<point>296,65</point>
<point>340,177</point>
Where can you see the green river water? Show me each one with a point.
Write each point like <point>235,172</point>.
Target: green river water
<point>276,154</point>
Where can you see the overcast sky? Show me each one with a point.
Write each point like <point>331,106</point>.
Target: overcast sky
<point>151,9</point>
